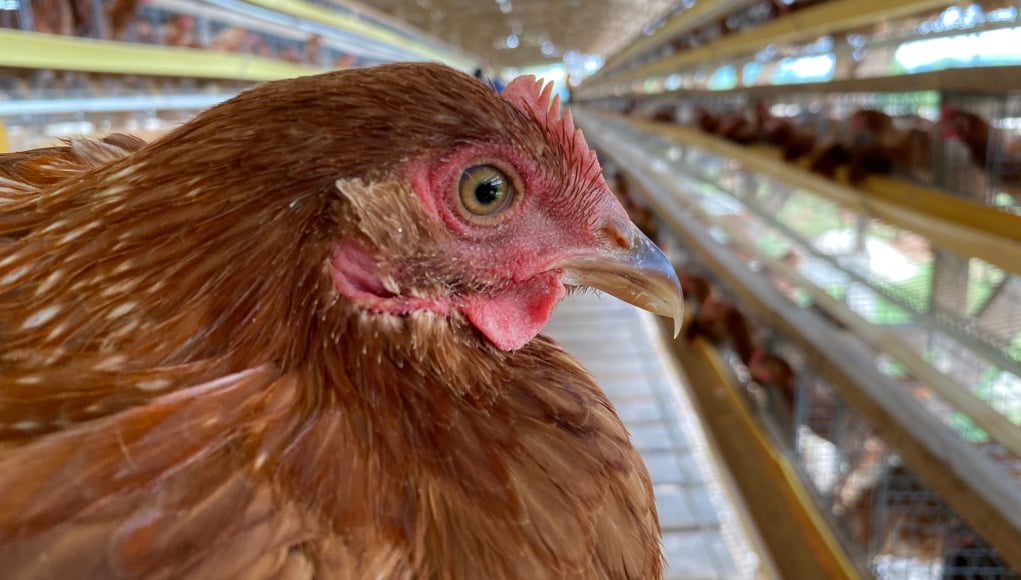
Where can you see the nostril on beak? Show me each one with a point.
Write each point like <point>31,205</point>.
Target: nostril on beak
<point>617,236</point>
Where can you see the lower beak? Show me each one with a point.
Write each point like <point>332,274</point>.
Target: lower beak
<point>630,267</point>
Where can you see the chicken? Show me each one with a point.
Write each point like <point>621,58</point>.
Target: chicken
<point>297,337</point>
<point>696,288</point>
<point>706,120</point>
<point>800,143</point>
<point>179,31</point>
<point>292,54</point>
<point>883,505</point>
<point>825,158</point>
<point>345,61</point>
<point>119,15</point>
<point>975,132</point>
<point>232,39</point>
<point>833,147</point>
<point>314,49</point>
<point>639,214</point>
<point>773,371</point>
<point>736,127</point>
<point>723,324</point>
<point>82,17</point>
<point>989,149</point>
<point>868,160</point>
<point>882,148</point>
<point>793,141</point>
<point>720,322</point>
<point>52,16</point>
<point>665,113</point>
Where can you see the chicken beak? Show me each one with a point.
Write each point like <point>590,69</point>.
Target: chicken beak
<point>630,267</point>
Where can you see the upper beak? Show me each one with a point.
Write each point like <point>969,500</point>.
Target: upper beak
<point>630,267</point>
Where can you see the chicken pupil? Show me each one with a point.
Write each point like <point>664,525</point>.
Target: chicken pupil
<point>487,191</point>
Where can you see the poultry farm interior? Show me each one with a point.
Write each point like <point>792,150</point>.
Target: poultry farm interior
<point>837,183</point>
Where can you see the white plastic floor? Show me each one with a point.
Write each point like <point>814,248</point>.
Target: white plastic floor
<point>621,346</point>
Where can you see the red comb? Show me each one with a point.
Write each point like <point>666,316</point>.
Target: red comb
<point>946,123</point>
<point>536,100</point>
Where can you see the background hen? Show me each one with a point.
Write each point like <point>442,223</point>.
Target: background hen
<point>297,337</point>
<point>795,140</point>
<point>995,152</point>
<point>886,144</point>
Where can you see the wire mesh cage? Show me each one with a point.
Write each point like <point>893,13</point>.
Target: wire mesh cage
<point>901,527</point>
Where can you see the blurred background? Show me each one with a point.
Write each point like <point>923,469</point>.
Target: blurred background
<point>836,181</point>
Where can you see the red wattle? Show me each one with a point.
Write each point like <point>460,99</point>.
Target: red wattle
<point>515,316</point>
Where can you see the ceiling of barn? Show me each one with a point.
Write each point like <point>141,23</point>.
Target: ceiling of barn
<point>517,33</point>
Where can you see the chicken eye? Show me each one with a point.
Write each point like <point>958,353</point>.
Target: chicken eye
<point>485,190</point>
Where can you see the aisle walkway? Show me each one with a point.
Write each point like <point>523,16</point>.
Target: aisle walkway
<point>619,344</point>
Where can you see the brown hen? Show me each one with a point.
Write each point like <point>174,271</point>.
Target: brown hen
<point>296,337</point>
<point>882,148</point>
<point>995,152</point>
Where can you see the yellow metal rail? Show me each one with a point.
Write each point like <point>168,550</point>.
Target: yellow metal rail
<point>810,23</point>
<point>994,79</point>
<point>46,51</point>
